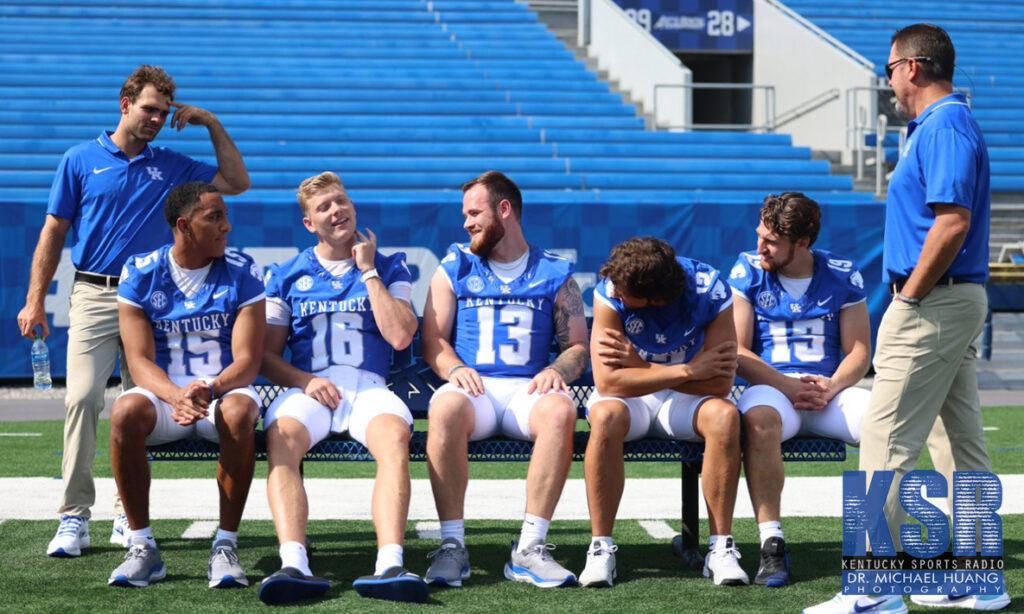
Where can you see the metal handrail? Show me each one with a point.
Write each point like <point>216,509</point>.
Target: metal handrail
<point>769,105</point>
<point>805,107</point>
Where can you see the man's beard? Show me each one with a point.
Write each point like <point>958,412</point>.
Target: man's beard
<point>777,265</point>
<point>486,239</point>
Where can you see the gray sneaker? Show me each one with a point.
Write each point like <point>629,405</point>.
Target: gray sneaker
<point>142,565</point>
<point>450,566</point>
<point>225,571</point>
<point>536,566</point>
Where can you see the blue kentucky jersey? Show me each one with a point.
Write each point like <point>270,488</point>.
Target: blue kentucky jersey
<point>505,329</point>
<point>672,333</point>
<point>331,319</point>
<point>799,335</point>
<point>192,335</point>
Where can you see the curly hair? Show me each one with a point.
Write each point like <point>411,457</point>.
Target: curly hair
<point>646,267</point>
<point>182,199</point>
<point>146,74</point>
<point>499,188</point>
<point>792,215</point>
<point>312,185</point>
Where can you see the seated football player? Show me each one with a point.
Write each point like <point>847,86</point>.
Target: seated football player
<point>339,308</point>
<point>192,320</point>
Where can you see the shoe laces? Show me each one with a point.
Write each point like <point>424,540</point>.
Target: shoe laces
<point>601,550</point>
<point>137,551</point>
<point>446,550</point>
<point>69,525</point>
<point>542,550</point>
<point>724,552</point>
<point>228,554</point>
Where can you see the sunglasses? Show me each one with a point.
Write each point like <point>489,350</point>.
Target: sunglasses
<point>891,65</point>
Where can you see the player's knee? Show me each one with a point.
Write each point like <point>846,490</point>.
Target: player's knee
<point>762,423</point>
<point>238,413</point>
<point>287,441</point>
<point>389,429</point>
<point>449,413</point>
<point>608,420</point>
<point>132,414</point>
<point>556,411</point>
<point>718,419</point>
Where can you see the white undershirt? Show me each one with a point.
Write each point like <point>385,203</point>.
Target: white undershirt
<point>189,281</point>
<point>795,286</point>
<point>507,271</point>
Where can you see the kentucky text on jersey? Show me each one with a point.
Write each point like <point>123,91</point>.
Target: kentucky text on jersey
<point>210,321</point>
<point>307,308</point>
<point>530,303</point>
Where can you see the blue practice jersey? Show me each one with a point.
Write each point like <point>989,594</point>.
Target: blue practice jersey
<point>192,335</point>
<point>505,329</point>
<point>331,320</point>
<point>672,333</point>
<point>799,335</point>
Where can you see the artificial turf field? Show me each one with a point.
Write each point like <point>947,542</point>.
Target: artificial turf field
<point>650,578</point>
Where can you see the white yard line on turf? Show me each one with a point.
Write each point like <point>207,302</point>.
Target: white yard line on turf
<point>643,499</point>
<point>200,529</point>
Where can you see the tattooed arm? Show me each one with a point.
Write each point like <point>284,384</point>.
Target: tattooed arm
<point>571,331</point>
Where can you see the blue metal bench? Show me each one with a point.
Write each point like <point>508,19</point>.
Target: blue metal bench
<point>414,381</point>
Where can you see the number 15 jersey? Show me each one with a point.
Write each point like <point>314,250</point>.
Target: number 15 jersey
<point>505,329</point>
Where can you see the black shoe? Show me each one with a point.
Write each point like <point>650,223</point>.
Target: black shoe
<point>395,584</point>
<point>290,584</point>
<point>774,569</point>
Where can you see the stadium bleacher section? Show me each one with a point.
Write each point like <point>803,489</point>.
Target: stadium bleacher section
<point>984,35</point>
<point>404,98</point>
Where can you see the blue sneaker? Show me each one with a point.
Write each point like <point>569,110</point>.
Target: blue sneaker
<point>142,565</point>
<point>450,566</point>
<point>536,566</point>
<point>72,536</point>
<point>395,584</point>
<point>290,584</point>
<point>121,533</point>
<point>774,569</point>
<point>969,602</point>
<point>860,604</point>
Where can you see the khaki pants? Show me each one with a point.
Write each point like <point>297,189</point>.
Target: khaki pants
<point>93,347</point>
<point>924,368</point>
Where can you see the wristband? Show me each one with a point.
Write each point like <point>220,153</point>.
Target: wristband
<point>213,394</point>
<point>368,275</point>
<point>908,300</point>
<point>454,369</point>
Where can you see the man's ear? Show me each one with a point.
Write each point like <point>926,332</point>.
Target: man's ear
<point>125,103</point>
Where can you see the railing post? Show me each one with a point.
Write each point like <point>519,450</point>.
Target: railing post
<point>881,127</point>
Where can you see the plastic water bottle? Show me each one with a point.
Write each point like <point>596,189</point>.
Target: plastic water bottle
<point>41,365</point>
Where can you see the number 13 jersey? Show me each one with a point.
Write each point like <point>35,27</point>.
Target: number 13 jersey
<point>505,329</point>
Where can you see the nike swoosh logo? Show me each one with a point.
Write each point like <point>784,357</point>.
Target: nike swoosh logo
<point>857,607</point>
<point>535,284</point>
<point>687,333</point>
<point>956,597</point>
<point>97,171</point>
<point>221,293</point>
<point>822,303</point>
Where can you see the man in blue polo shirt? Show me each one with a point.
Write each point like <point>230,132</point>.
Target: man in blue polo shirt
<point>111,192</point>
<point>935,261</point>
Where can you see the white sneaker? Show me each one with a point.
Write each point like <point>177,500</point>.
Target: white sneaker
<point>121,533</point>
<point>723,565</point>
<point>856,604</point>
<point>600,569</point>
<point>969,602</point>
<point>72,535</point>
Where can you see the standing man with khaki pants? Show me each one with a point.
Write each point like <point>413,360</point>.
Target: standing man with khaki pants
<point>111,191</point>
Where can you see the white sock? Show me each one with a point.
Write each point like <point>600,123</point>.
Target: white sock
<point>535,529</point>
<point>455,529</point>
<point>770,529</point>
<point>293,554</point>
<point>388,556</point>
<point>231,536</point>
<point>718,541</point>
<point>145,533</point>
